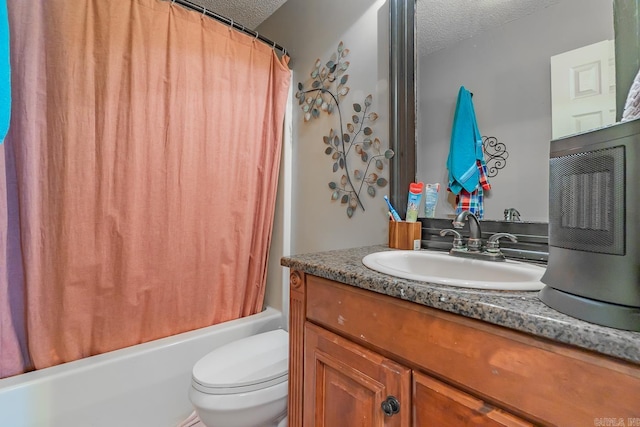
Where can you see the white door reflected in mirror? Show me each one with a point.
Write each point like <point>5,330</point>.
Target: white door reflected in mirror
<point>583,89</point>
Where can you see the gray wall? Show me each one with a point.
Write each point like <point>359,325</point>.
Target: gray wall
<point>312,30</point>
<point>508,71</point>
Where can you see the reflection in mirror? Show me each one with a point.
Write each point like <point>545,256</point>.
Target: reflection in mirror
<point>502,52</point>
<point>583,89</point>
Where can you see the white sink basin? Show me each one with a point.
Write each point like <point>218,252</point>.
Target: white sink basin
<point>444,269</point>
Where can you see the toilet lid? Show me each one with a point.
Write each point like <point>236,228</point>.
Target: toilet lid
<point>249,364</point>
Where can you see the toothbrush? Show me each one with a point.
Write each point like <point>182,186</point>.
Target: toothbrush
<point>392,210</point>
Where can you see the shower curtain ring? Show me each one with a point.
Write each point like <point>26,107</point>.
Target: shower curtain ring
<point>204,12</point>
<point>231,25</point>
<point>256,37</point>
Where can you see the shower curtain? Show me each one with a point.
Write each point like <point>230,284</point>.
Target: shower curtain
<point>146,141</point>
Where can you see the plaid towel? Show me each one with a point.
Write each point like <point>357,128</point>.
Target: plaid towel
<point>474,201</point>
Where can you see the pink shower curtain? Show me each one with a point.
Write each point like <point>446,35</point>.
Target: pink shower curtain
<point>146,140</point>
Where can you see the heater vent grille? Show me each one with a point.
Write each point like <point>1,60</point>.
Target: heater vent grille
<point>586,205</point>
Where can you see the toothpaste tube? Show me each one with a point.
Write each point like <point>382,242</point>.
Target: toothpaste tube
<point>413,203</point>
<point>431,200</point>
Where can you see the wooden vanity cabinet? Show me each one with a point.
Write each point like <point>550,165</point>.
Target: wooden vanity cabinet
<point>352,350</point>
<point>345,384</point>
<point>438,404</point>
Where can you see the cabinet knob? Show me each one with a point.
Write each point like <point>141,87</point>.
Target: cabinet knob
<point>390,406</point>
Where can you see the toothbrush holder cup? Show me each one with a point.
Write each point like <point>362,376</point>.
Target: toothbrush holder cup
<point>405,235</point>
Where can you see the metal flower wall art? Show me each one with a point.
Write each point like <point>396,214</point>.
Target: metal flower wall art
<point>353,142</point>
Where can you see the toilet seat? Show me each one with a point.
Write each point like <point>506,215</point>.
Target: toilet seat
<point>246,365</point>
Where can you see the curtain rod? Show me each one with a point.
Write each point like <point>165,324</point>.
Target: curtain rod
<point>225,20</point>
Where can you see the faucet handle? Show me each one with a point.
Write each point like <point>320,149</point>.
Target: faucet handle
<point>494,246</point>
<point>458,243</point>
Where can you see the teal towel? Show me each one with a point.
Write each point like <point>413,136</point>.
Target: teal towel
<point>466,146</point>
<point>5,72</point>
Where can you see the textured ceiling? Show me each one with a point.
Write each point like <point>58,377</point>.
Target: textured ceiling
<point>249,13</point>
<point>442,23</point>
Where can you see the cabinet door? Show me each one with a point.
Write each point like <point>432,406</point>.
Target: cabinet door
<point>437,404</point>
<point>345,385</point>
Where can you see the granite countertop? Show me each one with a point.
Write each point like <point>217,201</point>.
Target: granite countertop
<point>521,311</point>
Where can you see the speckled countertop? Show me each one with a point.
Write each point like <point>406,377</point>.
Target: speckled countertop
<point>521,311</point>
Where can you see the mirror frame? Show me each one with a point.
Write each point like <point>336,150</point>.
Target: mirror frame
<point>627,47</point>
<point>402,100</point>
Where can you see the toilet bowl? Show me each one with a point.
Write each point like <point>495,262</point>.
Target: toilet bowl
<point>244,383</point>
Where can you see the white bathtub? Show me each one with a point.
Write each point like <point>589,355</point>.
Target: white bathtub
<point>141,386</point>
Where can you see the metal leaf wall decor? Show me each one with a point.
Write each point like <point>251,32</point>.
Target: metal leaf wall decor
<point>352,142</point>
<point>495,153</point>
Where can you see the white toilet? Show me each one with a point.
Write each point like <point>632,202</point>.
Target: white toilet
<point>243,383</point>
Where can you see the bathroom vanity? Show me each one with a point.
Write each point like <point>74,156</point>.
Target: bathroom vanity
<point>368,349</point>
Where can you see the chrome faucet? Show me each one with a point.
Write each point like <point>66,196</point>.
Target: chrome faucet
<point>474,248</point>
<point>512,215</point>
<point>474,243</point>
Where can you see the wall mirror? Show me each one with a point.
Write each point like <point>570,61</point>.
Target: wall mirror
<point>502,52</point>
